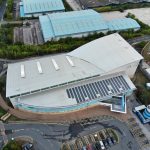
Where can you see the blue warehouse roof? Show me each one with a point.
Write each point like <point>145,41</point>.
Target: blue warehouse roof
<point>79,22</point>
<point>69,23</point>
<point>123,24</point>
<point>40,6</point>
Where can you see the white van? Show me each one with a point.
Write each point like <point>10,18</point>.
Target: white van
<point>102,145</point>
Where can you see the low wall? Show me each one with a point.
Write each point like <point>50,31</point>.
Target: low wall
<point>69,108</point>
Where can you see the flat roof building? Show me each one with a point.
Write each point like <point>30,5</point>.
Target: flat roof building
<point>29,8</point>
<point>81,23</point>
<point>90,74</point>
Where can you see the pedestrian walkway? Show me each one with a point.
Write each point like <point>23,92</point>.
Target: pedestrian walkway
<point>139,39</point>
<point>2,132</point>
<point>89,112</point>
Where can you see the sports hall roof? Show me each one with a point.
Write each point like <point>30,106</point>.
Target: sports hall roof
<point>95,58</point>
<point>79,22</point>
<point>39,73</point>
<point>39,6</point>
<point>107,53</point>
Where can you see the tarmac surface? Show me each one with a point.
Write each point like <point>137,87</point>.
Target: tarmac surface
<point>51,136</point>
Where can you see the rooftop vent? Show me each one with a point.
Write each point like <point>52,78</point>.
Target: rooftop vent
<point>39,67</point>
<point>22,71</point>
<point>55,64</point>
<point>70,61</point>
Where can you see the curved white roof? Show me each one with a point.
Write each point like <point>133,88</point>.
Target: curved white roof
<point>95,58</point>
<point>40,73</point>
<point>107,53</point>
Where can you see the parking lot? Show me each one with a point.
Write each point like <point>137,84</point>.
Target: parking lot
<point>138,134</point>
<point>52,136</point>
<point>29,34</point>
<point>102,139</point>
<point>142,14</point>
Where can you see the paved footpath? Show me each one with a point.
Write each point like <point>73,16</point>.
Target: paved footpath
<point>2,132</point>
<point>97,110</point>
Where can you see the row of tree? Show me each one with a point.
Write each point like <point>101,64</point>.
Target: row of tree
<point>9,10</point>
<point>19,50</point>
<point>122,7</point>
<point>14,51</point>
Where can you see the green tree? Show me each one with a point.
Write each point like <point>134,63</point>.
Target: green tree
<point>12,145</point>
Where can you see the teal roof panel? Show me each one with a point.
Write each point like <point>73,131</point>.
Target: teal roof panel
<point>75,22</point>
<point>122,24</point>
<point>78,22</point>
<point>39,6</point>
<point>46,27</point>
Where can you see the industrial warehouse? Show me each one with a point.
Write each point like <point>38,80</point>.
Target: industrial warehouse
<point>95,73</point>
<point>30,8</point>
<point>81,23</point>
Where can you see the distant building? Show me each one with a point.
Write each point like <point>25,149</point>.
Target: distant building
<point>97,73</point>
<point>143,113</point>
<point>29,8</point>
<point>97,3</point>
<point>81,23</point>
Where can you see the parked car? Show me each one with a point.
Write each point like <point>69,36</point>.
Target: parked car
<point>89,147</point>
<point>98,146</point>
<point>105,143</point>
<point>102,145</point>
<point>109,141</point>
<point>113,140</point>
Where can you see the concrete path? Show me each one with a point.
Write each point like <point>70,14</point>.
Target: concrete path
<point>139,39</point>
<point>64,117</point>
<point>2,131</point>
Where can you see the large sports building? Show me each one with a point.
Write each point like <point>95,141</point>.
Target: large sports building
<point>29,8</point>
<point>96,73</point>
<point>81,23</point>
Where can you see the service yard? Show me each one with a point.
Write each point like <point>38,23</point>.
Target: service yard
<point>142,14</point>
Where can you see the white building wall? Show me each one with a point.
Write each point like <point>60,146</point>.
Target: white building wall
<point>129,69</point>
<point>79,35</point>
<point>14,102</point>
